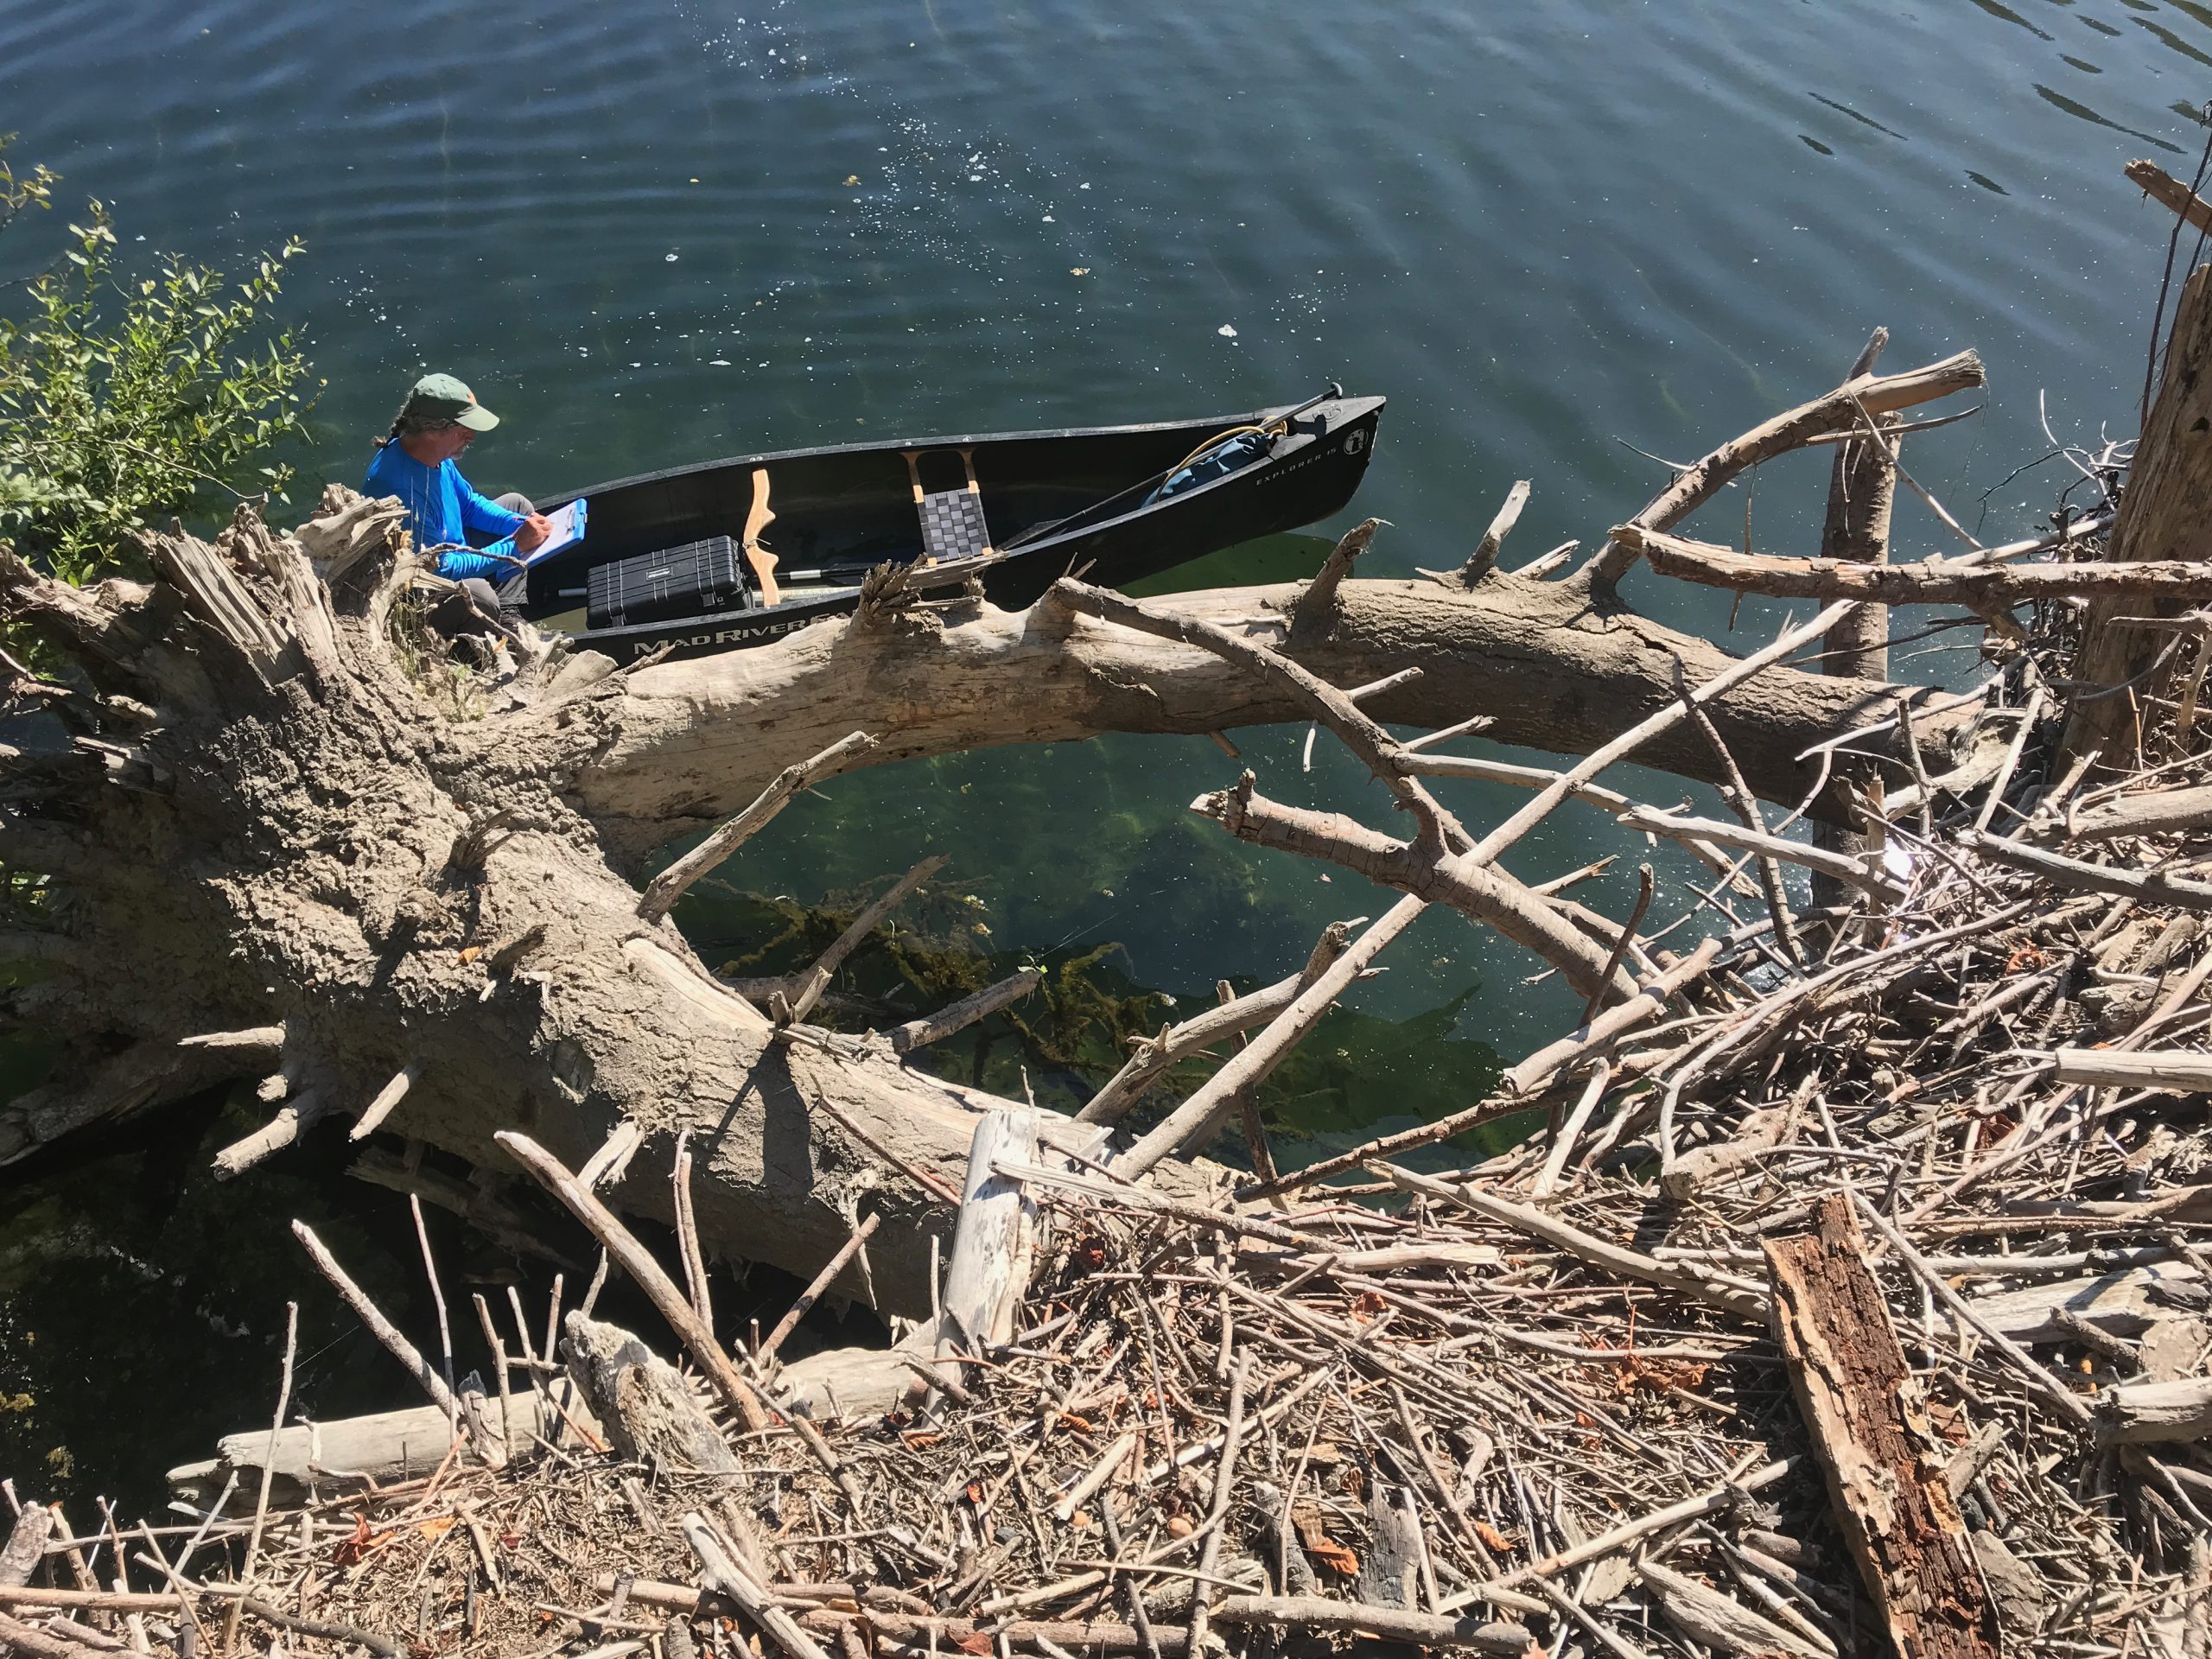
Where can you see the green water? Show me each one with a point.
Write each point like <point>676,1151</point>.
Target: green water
<point>661,233</point>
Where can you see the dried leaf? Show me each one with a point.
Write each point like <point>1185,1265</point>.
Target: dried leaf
<point>1335,1558</point>
<point>362,1542</point>
<point>975,1643</point>
<point>1494,1541</point>
<point>470,953</point>
<point>1325,1550</point>
<point>438,1526</point>
<point>1367,1305</point>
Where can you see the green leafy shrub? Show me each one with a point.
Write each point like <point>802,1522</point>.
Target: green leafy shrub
<point>123,399</point>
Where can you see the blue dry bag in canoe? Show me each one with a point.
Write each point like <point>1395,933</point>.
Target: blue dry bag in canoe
<point>1232,455</point>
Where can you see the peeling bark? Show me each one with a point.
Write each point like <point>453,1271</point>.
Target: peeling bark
<point>1869,1424</point>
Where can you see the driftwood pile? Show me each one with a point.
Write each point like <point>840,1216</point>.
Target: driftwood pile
<point>1846,1289</point>
<point>1905,1342</point>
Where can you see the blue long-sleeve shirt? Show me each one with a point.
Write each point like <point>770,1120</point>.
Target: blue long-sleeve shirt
<point>442,508</point>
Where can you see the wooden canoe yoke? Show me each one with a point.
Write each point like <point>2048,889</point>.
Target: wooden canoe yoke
<point>758,557</point>
<point>952,520</point>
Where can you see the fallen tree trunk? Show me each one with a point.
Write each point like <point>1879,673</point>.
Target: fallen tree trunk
<point>409,895</point>
<point>302,840</point>
<point>1554,669</point>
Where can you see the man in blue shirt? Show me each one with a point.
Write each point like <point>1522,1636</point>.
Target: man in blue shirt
<point>415,465</point>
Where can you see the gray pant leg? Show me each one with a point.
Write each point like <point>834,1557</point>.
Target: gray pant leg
<point>473,608</point>
<point>513,501</point>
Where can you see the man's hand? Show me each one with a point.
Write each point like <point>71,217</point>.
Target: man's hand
<point>530,534</point>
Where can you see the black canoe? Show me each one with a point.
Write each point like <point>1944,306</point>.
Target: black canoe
<point>1080,499</point>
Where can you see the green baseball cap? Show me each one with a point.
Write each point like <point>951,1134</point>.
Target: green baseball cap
<point>442,398</point>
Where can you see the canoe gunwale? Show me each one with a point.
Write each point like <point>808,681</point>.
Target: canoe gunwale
<point>1017,571</point>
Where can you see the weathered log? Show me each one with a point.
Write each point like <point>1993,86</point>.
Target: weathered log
<point>2142,1414</point>
<point>19,1556</point>
<point>2180,1070</point>
<point>1702,1167</point>
<point>994,1247</point>
<point>1868,1419</point>
<point>993,1252</point>
<point>1391,1574</point>
<point>144,1074</point>
<point>642,1401</point>
<point>380,1447</point>
<point>2122,1303</point>
<point>2154,812</point>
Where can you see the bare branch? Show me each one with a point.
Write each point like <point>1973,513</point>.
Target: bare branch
<point>1482,895</point>
<point>2169,192</point>
<point>1320,599</point>
<point>1166,1047</point>
<point>1835,410</point>
<point>935,1027</point>
<point>670,885</point>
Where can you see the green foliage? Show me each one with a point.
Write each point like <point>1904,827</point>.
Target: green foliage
<point>123,399</point>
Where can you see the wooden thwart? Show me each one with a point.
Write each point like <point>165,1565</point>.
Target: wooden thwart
<point>762,562</point>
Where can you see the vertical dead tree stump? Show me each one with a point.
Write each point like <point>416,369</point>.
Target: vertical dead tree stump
<point>2165,513</point>
<point>1870,1430</point>
<point>1862,489</point>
